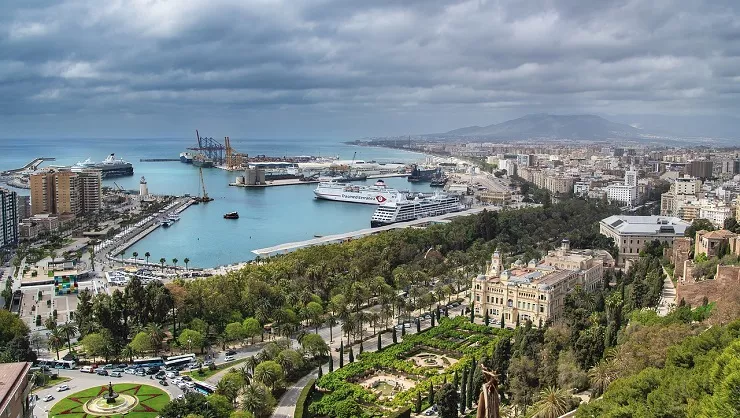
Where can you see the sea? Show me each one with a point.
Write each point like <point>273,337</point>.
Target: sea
<point>267,216</point>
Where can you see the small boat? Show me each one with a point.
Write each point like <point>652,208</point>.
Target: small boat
<point>232,215</point>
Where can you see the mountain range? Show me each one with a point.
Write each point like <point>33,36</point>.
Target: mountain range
<point>576,127</point>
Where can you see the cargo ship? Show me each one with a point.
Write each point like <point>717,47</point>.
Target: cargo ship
<point>186,157</point>
<point>342,192</point>
<point>423,174</point>
<point>110,167</point>
<point>402,209</point>
<point>201,161</point>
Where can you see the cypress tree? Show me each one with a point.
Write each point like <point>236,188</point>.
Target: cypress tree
<point>431,394</point>
<point>403,330</point>
<point>351,355</point>
<point>463,394</point>
<point>341,354</point>
<point>503,324</point>
<point>447,313</point>
<point>472,313</point>
<point>469,390</point>
<point>517,321</point>
<point>321,371</point>
<point>331,364</point>
<point>486,319</point>
<point>432,320</point>
<point>361,349</point>
<point>380,344</point>
<point>395,338</point>
<point>418,326</point>
<point>456,379</point>
<point>418,402</point>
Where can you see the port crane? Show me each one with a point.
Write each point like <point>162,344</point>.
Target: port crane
<point>209,148</point>
<point>204,197</point>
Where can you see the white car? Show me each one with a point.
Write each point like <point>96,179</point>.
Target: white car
<point>62,388</point>
<point>171,375</point>
<point>48,398</point>
<point>182,385</point>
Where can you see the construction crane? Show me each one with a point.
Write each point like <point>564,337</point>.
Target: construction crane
<point>118,187</point>
<point>204,198</point>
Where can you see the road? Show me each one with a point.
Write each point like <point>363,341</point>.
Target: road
<point>81,381</point>
<point>286,407</point>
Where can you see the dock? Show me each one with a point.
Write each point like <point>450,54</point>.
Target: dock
<point>158,160</point>
<point>275,183</point>
<point>348,236</point>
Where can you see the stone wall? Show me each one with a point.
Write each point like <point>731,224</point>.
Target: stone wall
<point>678,253</point>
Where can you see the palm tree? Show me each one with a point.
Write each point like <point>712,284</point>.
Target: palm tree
<point>147,255</point>
<point>120,254</point>
<point>267,377</point>
<point>50,323</point>
<point>227,388</point>
<point>186,261</point>
<point>254,399</point>
<point>128,352</point>
<point>69,330</point>
<point>250,363</point>
<point>174,262</point>
<point>56,340</point>
<point>135,254</point>
<point>601,375</point>
<point>552,404</point>
<point>161,262</point>
<point>156,336</point>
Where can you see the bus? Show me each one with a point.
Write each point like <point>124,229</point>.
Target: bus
<point>148,362</point>
<point>177,361</point>
<point>64,364</point>
<point>203,387</point>
<point>46,363</point>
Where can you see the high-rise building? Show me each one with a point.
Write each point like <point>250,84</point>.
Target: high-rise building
<point>702,169</point>
<point>62,191</point>
<point>24,207</point>
<point>630,177</point>
<point>8,218</point>
<point>91,184</point>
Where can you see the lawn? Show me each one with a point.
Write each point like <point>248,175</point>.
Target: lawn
<point>195,374</point>
<point>151,401</point>
<point>53,381</point>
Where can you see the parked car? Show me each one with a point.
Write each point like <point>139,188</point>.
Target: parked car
<point>102,372</point>
<point>86,369</point>
<point>231,353</point>
<point>62,388</point>
<point>163,383</point>
<point>48,398</point>
<point>187,378</point>
<point>117,370</point>
<point>115,374</point>
<point>229,358</point>
<point>171,375</point>
<point>130,370</point>
<point>109,366</point>
<point>182,385</point>
<point>140,372</point>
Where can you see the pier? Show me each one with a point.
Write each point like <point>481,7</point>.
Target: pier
<point>274,183</point>
<point>158,160</point>
<point>33,165</point>
<point>348,236</point>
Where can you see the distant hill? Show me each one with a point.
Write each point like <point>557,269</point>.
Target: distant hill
<point>580,127</point>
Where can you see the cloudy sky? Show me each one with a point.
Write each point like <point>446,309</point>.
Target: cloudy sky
<point>309,68</point>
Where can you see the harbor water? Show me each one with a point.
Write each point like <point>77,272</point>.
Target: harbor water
<point>267,216</point>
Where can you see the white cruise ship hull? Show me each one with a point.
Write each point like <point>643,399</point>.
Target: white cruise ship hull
<point>374,198</point>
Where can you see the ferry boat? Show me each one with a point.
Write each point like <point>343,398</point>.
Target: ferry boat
<point>373,195</point>
<point>186,157</point>
<point>402,209</point>
<point>110,167</point>
<point>232,215</point>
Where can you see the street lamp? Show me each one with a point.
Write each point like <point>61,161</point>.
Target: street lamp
<point>190,343</point>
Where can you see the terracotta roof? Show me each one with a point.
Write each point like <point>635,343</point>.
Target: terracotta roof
<point>719,234</point>
<point>11,377</point>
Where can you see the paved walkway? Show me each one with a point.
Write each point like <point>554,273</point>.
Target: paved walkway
<point>286,407</point>
<point>667,296</point>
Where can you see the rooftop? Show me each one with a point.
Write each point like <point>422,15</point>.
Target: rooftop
<point>719,234</point>
<point>10,380</point>
<point>651,225</point>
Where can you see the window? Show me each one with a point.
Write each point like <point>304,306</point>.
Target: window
<point>477,298</point>
<point>509,303</point>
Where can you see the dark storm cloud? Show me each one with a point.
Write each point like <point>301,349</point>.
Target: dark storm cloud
<point>160,56</point>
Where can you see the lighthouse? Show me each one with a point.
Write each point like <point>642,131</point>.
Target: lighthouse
<point>143,189</point>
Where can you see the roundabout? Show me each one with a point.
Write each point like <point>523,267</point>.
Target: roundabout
<point>129,399</point>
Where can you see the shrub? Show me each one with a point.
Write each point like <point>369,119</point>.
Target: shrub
<point>301,406</point>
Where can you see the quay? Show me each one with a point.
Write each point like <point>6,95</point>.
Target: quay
<point>348,236</point>
<point>274,183</point>
<point>158,160</point>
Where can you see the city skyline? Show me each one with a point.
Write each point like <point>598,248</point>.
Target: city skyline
<point>347,70</point>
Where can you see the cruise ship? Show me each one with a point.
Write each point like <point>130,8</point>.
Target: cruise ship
<point>110,167</point>
<point>186,157</point>
<point>402,209</point>
<point>373,195</point>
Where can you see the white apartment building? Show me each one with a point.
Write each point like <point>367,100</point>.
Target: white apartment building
<point>716,214</point>
<point>632,233</point>
<point>622,193</point>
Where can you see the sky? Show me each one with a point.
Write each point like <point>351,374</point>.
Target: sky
<point>351,69</point>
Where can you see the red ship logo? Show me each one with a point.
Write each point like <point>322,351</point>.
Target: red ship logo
<point>380,198</point>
